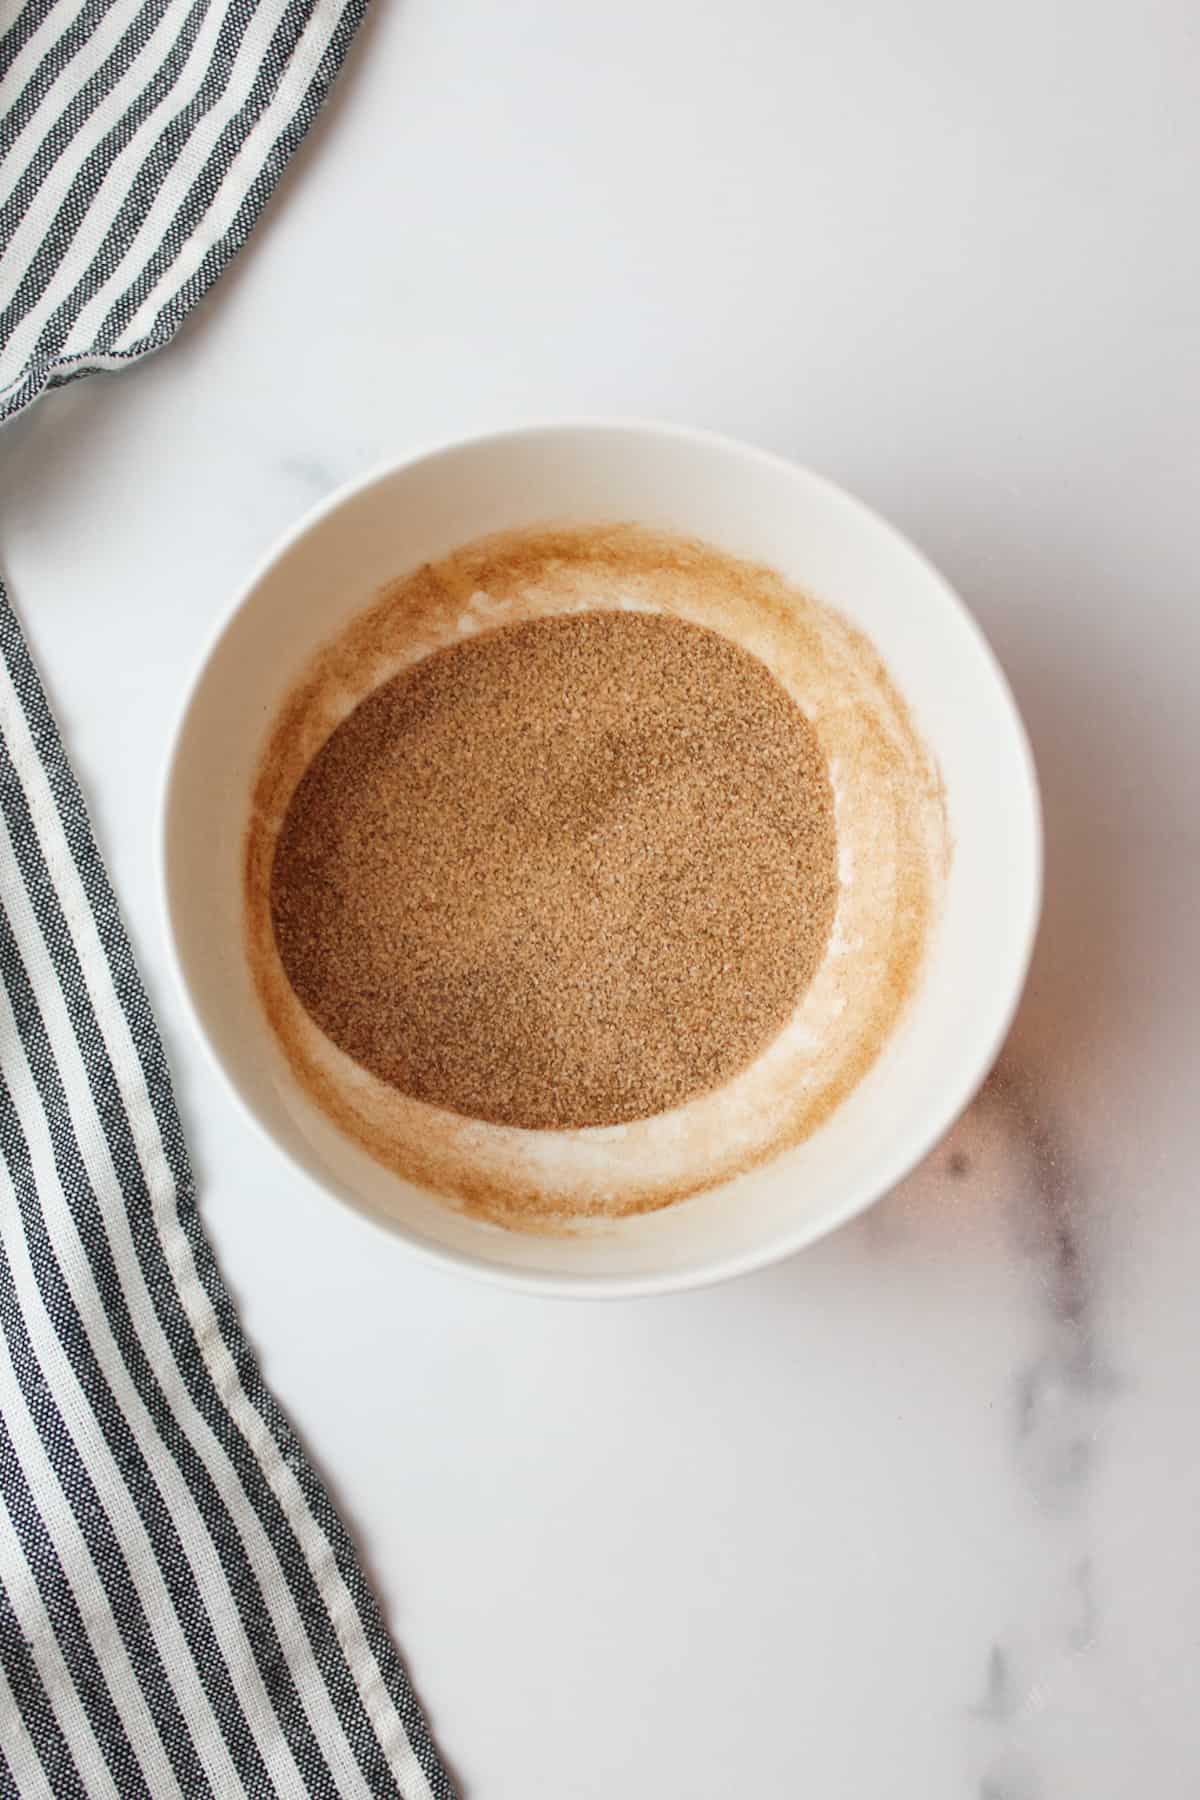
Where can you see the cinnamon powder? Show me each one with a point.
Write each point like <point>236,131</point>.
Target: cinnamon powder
<point>571,872</point>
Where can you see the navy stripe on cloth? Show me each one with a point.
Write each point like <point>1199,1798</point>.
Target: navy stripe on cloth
<point>62,1608</point>
<point>30,18</point>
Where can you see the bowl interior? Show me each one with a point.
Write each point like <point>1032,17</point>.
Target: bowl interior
<point>751,505</point>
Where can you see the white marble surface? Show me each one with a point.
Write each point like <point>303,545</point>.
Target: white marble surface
<point>914,1514</point>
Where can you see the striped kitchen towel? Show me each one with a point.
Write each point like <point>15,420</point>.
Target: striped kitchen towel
<point>181,1611</point>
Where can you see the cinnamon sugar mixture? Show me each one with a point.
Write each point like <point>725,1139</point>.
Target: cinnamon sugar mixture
<point>545,836</point>
<point>571,872</point>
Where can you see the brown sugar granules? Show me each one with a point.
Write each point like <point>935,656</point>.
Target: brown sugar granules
<point>571,872</point>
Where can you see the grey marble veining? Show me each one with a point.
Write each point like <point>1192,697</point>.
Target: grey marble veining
<point>310,474</point>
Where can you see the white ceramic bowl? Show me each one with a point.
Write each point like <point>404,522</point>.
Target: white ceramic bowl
<point>751,504</point>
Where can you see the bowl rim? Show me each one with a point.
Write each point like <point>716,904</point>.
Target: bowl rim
<point>908,1150</point>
